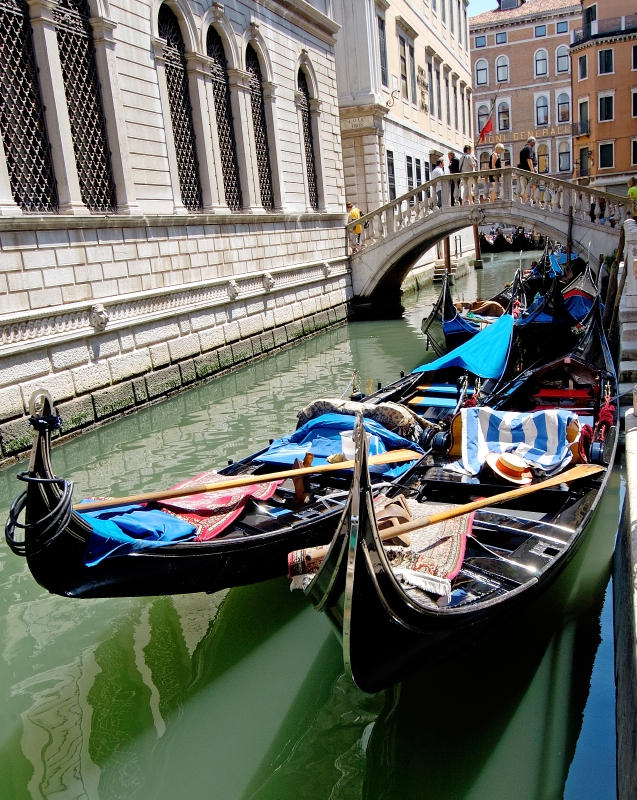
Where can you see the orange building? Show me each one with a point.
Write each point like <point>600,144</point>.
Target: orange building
<point>522,77</point>
<point>604,77</point>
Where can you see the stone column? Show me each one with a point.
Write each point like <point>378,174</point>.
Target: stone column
<point>54,101</point>
<point>8,206</point>
<point>244,135</point>
<point>274,146</point>
<point>201,116</point>
<point>160,65</point>
<point>113,115</point>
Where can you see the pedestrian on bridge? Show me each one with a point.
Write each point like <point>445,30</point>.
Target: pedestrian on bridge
<point>439,170</point>
<point>528,162</point>
<point>454,169</point>
<point>354,214</point>
<point>468,163</point>
<point>495,162</point>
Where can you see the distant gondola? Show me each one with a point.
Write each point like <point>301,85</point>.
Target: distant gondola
<point>445,328</point>
<point>398,608</point>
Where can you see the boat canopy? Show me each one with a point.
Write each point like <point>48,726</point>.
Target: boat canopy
<point>485,355</point>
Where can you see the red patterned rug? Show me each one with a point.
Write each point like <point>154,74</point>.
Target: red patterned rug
<point>212,512</point>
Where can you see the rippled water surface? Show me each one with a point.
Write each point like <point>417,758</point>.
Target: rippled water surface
<point>241,694</point>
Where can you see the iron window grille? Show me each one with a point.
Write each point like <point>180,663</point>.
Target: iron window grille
<point>84,101</point>
<point>22,123</point>
<point>260,129</point>
<point>308,139</point>
<point>225,122</point>
<point>180,109</point>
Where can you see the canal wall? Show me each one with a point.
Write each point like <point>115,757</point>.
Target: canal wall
<point>109,314</point>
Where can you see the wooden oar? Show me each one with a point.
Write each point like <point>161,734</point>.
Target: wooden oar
<point>581,471</point>
<point>392,457</point>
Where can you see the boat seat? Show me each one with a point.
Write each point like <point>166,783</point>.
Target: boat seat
<point>442,388</point>
<point>570,393</point>
<point>432,400</point>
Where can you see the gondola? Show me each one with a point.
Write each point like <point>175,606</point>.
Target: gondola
<point>398,608</point>
<point>445,328</point>
<point>199,542</point>
<point>521,241</point>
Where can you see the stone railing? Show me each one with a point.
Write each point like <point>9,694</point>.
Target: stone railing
<point>475,190</point>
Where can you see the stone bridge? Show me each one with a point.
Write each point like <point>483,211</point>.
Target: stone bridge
<point>396,235</point>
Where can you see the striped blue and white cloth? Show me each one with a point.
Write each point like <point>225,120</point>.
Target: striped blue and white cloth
<point>539,438</point>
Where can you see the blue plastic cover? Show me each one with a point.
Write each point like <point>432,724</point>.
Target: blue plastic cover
<point>578,306</point>
<point>324,435</point>
<point>459,325</point>
<point>122,529</point>
<point>485,355</point>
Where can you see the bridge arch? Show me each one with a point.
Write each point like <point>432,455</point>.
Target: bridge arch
<point>398,234</point>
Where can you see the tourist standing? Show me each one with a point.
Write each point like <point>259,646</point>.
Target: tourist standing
<point>454,169</point>
<point>439,170</point>
<point>354,214</point>
<point>468,163</point>
<point>495,162</point>
<point>528,162</point>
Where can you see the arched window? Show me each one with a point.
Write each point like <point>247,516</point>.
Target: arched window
<point>180,109</point>
<point>502,69</point>
<point>563,59</point>
<point>483,116</point>
<point>563,108</point>
<point>84,101</point>
<point>541,63</point>
<point>260,128</point>
<point>506,158</point>
<point>564,156</point>
<point>542,111</point>
<point>223,115</point>
<point>482,72</point>
<point>22,121</point>
<point>504,118</point>
<point>543,158</point>
<point>308,139</point>
<point>484,160</point>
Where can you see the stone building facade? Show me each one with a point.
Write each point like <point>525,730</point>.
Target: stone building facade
<point>522,78</point>
<point>404,92</point>
<point>171,196</point>
<point>604,56</point>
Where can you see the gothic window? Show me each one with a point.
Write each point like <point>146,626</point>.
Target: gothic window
<point>260,128</point>
<point>308,139</point>
<point>84,100</point>
<point>225,125</point>
<point>22,122</point>
<point>180,109</point>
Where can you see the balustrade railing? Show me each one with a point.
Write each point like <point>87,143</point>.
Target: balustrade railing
<point>605,27</point>
<point>476,190</point>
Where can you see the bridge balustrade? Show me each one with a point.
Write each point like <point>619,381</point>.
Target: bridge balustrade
<point>474,189</point>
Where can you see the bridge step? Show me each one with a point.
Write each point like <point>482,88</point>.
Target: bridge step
<point>628,371</point>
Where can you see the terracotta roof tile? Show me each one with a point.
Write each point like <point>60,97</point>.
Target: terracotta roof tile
<point>530,8</point>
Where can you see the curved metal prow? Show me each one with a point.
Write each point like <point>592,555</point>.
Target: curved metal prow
<point>360,483</point>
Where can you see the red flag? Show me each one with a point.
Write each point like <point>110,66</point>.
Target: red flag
<point>488,128</point>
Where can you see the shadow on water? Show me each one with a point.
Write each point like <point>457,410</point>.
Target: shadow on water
<point>241,694</point>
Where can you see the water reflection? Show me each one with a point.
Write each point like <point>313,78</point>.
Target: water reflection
<point>241,694</point>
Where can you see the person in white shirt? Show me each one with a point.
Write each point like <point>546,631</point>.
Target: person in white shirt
<point>439,170</point>
<point>468,163</point>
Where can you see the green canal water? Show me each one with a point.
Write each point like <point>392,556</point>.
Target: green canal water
<point>241,694</point>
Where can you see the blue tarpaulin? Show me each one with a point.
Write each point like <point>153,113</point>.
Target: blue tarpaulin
<point>322,435</point>
<point>122,529</point>
<point>485,355</point>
